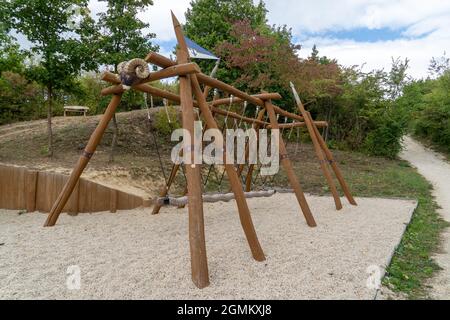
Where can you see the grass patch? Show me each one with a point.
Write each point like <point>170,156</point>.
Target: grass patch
<point>412,264</point>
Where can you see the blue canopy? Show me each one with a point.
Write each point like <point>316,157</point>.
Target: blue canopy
<point>197,52</point>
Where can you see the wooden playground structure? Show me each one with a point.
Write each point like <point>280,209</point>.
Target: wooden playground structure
<point>136,75</point>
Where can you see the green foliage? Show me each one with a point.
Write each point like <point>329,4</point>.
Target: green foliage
<point>433,113</point>
<point>55,41</point>
<point>439,65</point>
<point>121,36</point>
<point>18,98</point>
<point>257,57</point>
<point>210,22</point>
<point>385,138</point>
<point>11,58</point>
<point>360,116</point>
<point>166,120</point>
<point>88,93</point>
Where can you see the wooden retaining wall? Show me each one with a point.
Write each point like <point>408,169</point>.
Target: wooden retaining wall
<point>24,189</point>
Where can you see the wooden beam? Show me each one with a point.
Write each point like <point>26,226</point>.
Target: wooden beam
<point>236,186</point>
<point>263,96</point>
<point>119,89</point>
<point>82,162</point>
<point>110,77</point>
<point>236,116</point>
<point>165,190</point>
<point>319,124</point>
<point>318,150</point>
<point>199,264</point>
<point>287,165</point>
<point>164,62</point>
<point>244,211</point>
<point>173,71</point>
<point>334,165</point>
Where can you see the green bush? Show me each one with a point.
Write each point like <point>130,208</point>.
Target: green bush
<point>385,139</point>
<point>20,99</point>
<point>166,120</point>
<point>432,115</point>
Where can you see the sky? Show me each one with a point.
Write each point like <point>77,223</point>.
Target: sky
<point>355,32</point>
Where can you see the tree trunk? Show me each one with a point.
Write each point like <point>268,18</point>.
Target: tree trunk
<point>114,139</point>
<point>49,121</point>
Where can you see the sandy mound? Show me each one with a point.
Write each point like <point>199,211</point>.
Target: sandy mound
<point>133,255</point>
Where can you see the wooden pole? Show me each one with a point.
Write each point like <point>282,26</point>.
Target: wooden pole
<point>287,165</point>
<point>165,190</point>
<point>236,186</point>
<point>199,264</point>
<point>319,151</point>
<point>82,162</point>
<point>334,165</point>
<point>244,211</point>
<point>173,71</point>
<point>262,96</point>
<point>318,124</point>
<point>236,116</point>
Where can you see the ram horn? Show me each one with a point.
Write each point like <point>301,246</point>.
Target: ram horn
<point>138,67</point>
<point>121,67</point>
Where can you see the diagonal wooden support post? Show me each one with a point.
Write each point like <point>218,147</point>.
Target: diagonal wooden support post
<point>165,190</point>
<point>199,263</point>
<point>244,212</point>
<point>82,162</point>
<point>236,186</point>
<point>333,164</point>
<point>287,165</point>
<point>318,150</point>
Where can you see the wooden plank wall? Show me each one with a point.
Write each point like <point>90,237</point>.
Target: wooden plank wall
<point>24,189</point>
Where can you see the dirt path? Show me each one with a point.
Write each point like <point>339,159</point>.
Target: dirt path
<point>436,170</point>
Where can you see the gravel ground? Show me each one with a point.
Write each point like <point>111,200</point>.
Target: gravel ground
<point>134,255</point>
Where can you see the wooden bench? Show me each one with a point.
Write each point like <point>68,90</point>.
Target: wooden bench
<point>77,109</point>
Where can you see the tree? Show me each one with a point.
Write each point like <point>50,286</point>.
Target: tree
<point>438,65</point>
<point>397,78</point>
<point>123,38</point>
<point>317,58</point>
<point>314,53</point>
<point>18,98</point>
<point>56,41</point>
<point>11,59</point>
<point>210,22</point>
<point>260,59</point>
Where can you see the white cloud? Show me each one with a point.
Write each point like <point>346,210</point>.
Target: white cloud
<point>377,55</point>
<point>330,15</point>
<point>430,19</point>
